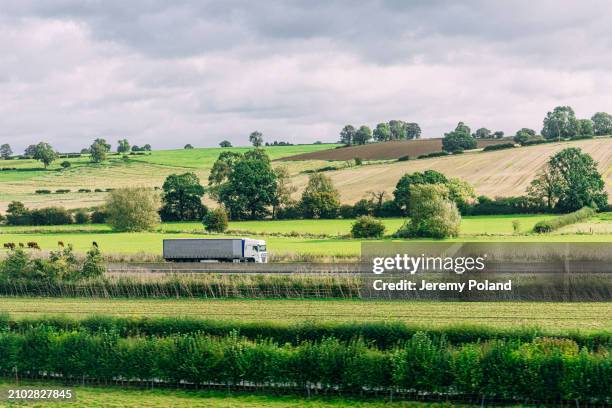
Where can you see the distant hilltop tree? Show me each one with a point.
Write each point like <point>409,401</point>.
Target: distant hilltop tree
<point>188,146</point>
<point>347,135</point>
<point>256,138</point>
<point>99,150</point>
<point>561,123</point>
<point>5,151</point>
<point>44,153</point>
<point>396,130</point>
<point>123,146</point>
<point>226,143</point>
<point>499,134</point>
<point>602,124</point>
<point>363,135</point>
<point>458,140</point>
<point>482,133</point>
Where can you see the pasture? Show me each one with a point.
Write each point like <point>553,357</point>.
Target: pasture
<point>556,317</point>
<point>145,170</point>
<point>287,237</point>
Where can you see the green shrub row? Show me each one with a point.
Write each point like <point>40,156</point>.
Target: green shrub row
<point>383,335</point>
<point>555,223</point>
<point>499,146</point>
<point>543,370</point>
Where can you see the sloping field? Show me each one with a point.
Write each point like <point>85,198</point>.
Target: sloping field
<point>142,170</point>
<point>497,173</point>
<point>385,151</point>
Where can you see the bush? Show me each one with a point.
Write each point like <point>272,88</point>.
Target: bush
<point>99,216</point>
<point>363,207</point>
<point>388,209</point>
<point>93,266</point>
<point>65,164</point>
<point>289,212</point>
<point>367,227</point>
<point>216,220</point>
<point>346,211</point>
<point>84,190</point>
<point>403,158</point>
<point>62,191</point>
<point>555,223</point>
<point>433,154</point>
<point>81,217</point>
<point>358,161</point>
<point>500,146</point>
<point>132,209</point>
<point>98,190</point>
<point>50,216</point>
<point>502,206</point>
<point>43,191</point>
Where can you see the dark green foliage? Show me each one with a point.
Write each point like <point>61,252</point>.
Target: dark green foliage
<point>523,136</point>
<point>436,154</point>
<point>363,207</point>
<point>401,193</point>
<point>346,211</point>
<point>320,198</point>
<point>555,223</point>
<point>367,227</point>
<point>43,191</point>
<point>363,135</point>
<point>459,139</point>
<point>81,217</point>
<point>98,216</point>
<point>182,198</point>
<point>403,158</point>
<point>93,266</point>
<point>541,370</point>
<point>18,214</point>
<point>65,164</point>
<point>602,124</point>
<point>358,161</point>
<point>500,146</point>
<point>215,220</point>
<point>502,205</point>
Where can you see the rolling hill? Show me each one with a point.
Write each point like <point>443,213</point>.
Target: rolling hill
<point>495,173</point>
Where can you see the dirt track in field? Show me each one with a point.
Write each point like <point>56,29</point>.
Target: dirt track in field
<point>384,151</point>
<point>498,173</point>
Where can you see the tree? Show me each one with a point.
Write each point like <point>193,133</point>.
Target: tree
<point>30,151</point>
<point>347,135</point>
<point>188,146</point>
<point>498,134</point>
<point>17,214</point>
<point>45,154</point>
<point>459,139</point>
<point>320,198</point>
<point>569,182</point>
<point>398,129</point>
<point>256,138</point>
<point>432,213</point>
<point>482,133</point>
<point>215,220</point>
<point>461,192</point>
<point>123,146</point>
<point>147,147</point>
<point>65,164</point>
<point>363,135</point>
<point>182,198</point>
<point>222,168</point>
<point>367,227</point>
<point>413,131</point>
<point>585,127</point>
<point>602,124</point>
<point>284,190</point>
<point>382,133</point>
<point>5,151</point>
<point>522,136</point>
<point>225,143</point>
<point>98,150</point>
<point>402,188</point>
<point>250,187</point>
<point>93,266</point>
<point>560,123</point>
<point>132,209</point>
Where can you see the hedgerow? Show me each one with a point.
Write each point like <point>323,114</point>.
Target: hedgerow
<point>542,370</point>
<point>383,335</point>
<point>558,222</point>
<point>499,146</point>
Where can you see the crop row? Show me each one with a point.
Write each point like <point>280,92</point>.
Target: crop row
<point>542,370</point>
<point>383,335</point>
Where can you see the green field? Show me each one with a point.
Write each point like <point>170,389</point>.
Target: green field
<point>551,316</point>
<point>110,397</point>
<point>143,170</point>
<point>328,237</point>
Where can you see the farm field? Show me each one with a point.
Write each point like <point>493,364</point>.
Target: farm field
<point>329,236</point>
<point>497,173</point>
<point>145,170</point>
<point>109,397</point>
<point>551,316</point>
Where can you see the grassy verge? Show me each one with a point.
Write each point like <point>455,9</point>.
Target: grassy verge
<point>550,316</point>
<point>97,397</point>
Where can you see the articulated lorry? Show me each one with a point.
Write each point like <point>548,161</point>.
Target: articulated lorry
<point>215,250</point>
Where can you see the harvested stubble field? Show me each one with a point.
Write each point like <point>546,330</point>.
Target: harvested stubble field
<point>550,316</point>
<point>497,173</point>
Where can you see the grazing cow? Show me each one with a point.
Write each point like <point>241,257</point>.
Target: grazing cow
<point>33,245</point>
<point>9,245</point>
<point>60,244</point>
<point>95,244</point>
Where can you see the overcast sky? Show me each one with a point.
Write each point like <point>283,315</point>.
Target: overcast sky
<point>174,72</point>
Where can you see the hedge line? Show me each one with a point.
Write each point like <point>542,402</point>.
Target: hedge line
<point>384,335</point>
<point>555,223</point>
<point>543,370</point>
